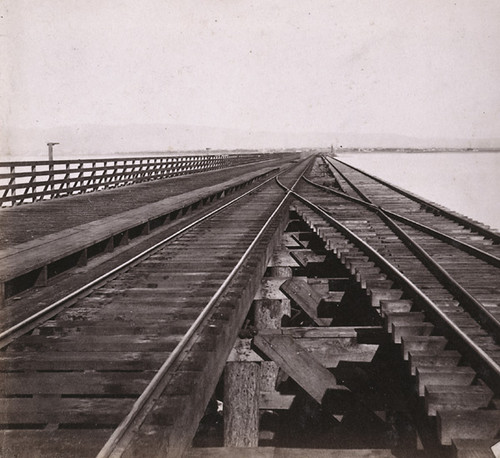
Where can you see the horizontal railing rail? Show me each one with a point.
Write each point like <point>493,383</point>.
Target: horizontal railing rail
<point>28,182</point>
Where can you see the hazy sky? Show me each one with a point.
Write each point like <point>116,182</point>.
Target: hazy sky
<point>419,68</point>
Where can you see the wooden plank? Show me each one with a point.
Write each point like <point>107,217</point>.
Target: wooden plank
<point>53,444</point>
<point>331,331</point>
<point>330,345</point>
<point>273,400</point>
<point>306,297</point>
<point>290,241</point>
<point>230,452</point>
<point>330,352</point>
<point>96,343</point>
<point>75,383</point>
<point>79,361</point>
<point>472,424</point>
<point>447,397</point>
<point>157,326</point>
<point>314,378</point>
<point>52,247</point>
<point>306,257</point>
<point>52,409</point>
<point>274,452</point>
<point>282,258</point>
<point>475,448</point>
<point>337,453</point>
<point>460,375</point>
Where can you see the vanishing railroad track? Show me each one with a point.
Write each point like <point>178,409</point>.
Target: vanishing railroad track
<point>85,376</point>
<point>117,369</point>
<point>437,275</point>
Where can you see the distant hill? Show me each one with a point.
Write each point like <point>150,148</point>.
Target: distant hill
<point>98,140</point>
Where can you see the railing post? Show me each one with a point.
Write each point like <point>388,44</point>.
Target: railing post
<point>13,183</point>
<point>51,167</point>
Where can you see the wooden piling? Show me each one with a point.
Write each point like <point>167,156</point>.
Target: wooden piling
<point>241,404</point>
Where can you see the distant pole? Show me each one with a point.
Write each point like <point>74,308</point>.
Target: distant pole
<point>51,165</point>
<point>51,150</point>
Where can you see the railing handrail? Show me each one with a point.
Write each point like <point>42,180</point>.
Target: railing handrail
<point>29,181</point>
<point>124,158</point>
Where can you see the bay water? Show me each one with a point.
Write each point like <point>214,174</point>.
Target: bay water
<point>466,182</point>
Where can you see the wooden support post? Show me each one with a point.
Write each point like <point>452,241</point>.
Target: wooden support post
<point>268,314</point>
<point>306,297</point>
<point>2,294</point>
<point>42,277</point>
<point>121,239</point>
<point>241,404</point>
<point>110,245</point>
<point>82,258</point>
<point>146,229</point>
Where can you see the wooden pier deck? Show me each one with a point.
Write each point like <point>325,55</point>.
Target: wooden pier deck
<point>280,306</point>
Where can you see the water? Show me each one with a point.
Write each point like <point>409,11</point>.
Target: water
<point>468,183</point>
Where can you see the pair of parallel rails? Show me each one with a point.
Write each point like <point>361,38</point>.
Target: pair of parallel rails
<point>437,275</point>
<point>99,360</point>
<point>377,233</point>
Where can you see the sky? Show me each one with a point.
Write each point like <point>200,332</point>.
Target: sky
<point>425,69</point>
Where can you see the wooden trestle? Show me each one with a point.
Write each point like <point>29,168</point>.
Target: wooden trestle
<point>360,323</point>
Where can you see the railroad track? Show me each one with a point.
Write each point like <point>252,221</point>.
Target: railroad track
<point>437,290</point>
<point>117,366</point>
<point>396,200</point>
<point>127,368</point>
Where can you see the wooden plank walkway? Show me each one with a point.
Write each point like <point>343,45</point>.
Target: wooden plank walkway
<point>28,222</point>
<point>37,235</point>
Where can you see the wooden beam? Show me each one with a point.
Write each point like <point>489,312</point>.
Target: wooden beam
<point>281,258</point>
<point>314,378</point>
<point>306,297</point>
<point>325,332</point>
<point>274,452</point>
<point>274,400</point>
<point>331,345</point>
<point>305,257</point>
<point>291,241</point>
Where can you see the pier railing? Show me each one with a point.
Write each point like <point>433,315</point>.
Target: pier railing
<point>27,182</point>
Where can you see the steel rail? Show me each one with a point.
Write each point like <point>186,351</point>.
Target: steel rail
<point>467,300</point>
<point>471,249</point>
<point>478,354</point>
<point>495,237</point>
<point>358,191</point>
<point>119,440</point>
<point>48,312</point>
